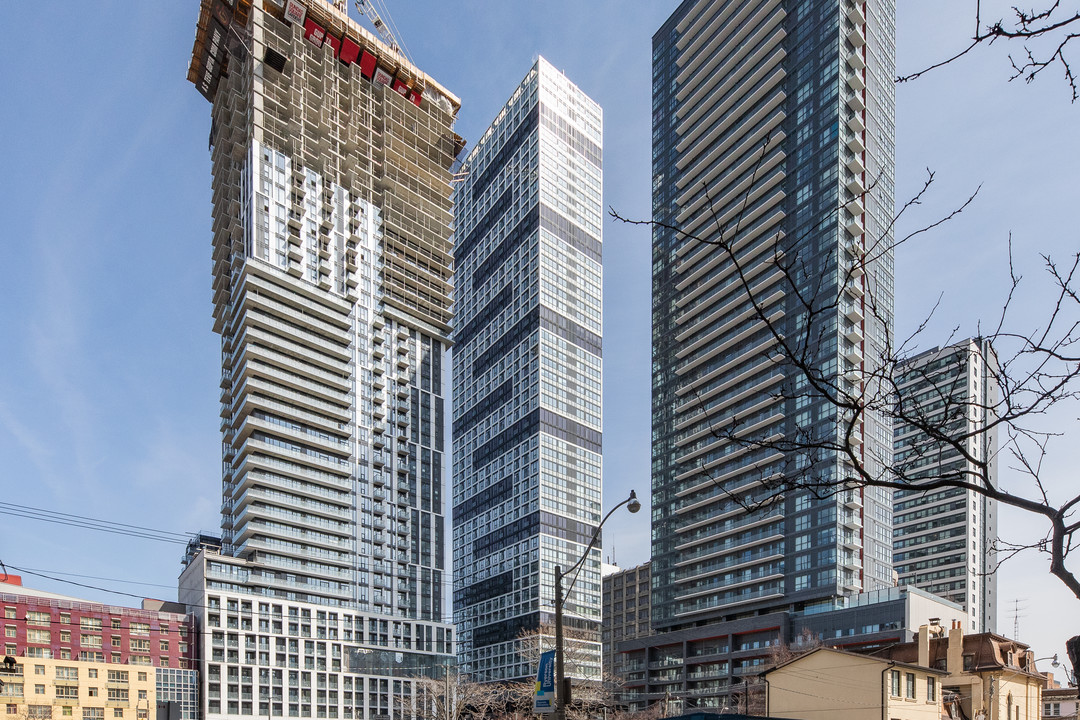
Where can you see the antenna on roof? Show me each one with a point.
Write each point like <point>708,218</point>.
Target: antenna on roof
<point>1017,614</point>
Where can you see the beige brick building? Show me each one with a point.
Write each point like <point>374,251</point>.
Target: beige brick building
<point>990,676</point>
<point>47,689</point>
<point>841,685</point>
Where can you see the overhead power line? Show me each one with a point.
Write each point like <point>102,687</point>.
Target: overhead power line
<point>98,577</point>
<point>51,575</point>
<point>88,523</point>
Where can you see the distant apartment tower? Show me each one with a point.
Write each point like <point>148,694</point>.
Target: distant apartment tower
<point>625,611</point>
<point>527,375</point>
<point>76,658</point>
<point>772,136</point>
<point>331,159</point>
<point>944,539</point>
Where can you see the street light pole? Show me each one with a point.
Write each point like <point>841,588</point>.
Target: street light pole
<point>562,683</point>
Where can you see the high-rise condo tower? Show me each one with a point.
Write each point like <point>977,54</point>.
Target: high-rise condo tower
<point>773,171</point>
<point>944,539</point>
<point>331,157</point>
<point>527,377</point>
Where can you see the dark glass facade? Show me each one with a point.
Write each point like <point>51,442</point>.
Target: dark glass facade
<point>772,170</point>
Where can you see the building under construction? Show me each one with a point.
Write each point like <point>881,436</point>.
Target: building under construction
<point>331,159</point>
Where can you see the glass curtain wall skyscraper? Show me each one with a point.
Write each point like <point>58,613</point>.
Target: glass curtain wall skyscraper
<point>527,377</point>
<point>772,138</point>
<point>331,158</point>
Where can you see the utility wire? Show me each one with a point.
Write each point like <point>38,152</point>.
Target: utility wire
<point>81,517</point>
<point>115,528</point>
<point>97,577</point>
<point>366,614</point>
<point>81,521</point>
<point>72,582</point>
<point>364,645</point>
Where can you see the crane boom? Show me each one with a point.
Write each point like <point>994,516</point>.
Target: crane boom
<point>364,8</point>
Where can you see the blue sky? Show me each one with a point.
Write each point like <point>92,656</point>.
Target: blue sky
<point>109,369</point>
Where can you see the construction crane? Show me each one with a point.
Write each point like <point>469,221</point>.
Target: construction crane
<point>367,9</point>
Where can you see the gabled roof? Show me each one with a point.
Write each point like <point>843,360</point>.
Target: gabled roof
<point>861,656</point>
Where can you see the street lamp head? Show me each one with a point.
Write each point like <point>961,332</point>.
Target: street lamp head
<point>633,504</point>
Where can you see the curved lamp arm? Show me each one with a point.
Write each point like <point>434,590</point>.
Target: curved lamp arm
<point>562,692</point>
<point>633,505</point>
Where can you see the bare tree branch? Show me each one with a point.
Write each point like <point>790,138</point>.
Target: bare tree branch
<point>1037,368</point>
<point>1047,25</point>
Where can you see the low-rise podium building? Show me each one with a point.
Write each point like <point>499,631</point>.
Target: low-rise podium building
<point>65,657</point>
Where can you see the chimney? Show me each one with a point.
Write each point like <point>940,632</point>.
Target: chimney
<point>955,660</point>
<point>924,646</point>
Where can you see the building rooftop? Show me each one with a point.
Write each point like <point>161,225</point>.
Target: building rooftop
<point>11,591</point>
<point>208,53</point>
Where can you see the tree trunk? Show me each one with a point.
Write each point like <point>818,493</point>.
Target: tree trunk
<point>1072,648</point>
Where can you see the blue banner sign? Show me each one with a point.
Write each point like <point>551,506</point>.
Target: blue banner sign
<point>544,699</point>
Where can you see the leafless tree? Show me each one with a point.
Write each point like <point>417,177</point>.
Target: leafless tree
<point>581,652</point>
<point>1037,371</point>
<point>1045,32</point>
<point>753,689</point>
<point>452,697</point>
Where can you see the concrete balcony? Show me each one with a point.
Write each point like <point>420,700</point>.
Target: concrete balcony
<point>335,512</point>
<point>852,499</point>
<point>327,389</point>
<point>851,520</point>
<point>853,313</point>
<point>854,227</point>
<point>332,445</point>
<point>299,551</point>
<point>316,353</point>
<point>855,207</point>
<point>331,466</point>
<point>856,37</point>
